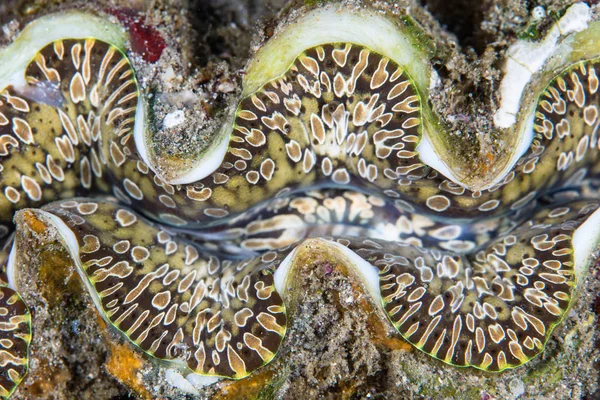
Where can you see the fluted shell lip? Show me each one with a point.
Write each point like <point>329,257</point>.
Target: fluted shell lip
<point>586,240</point>
<point>68,239</point>
<point>368,274</point>
<point>569,39</point>
<point>329,24</point>
<point>528,67</point>
<point>140,133</point>
<point>524,58</point>
<point>335,23</point>
<point>62,232</point>
<point>11,267</point>
<point>64,25</point>
<point>210,160</point>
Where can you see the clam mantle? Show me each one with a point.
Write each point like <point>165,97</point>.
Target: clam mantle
<point>333,139</point>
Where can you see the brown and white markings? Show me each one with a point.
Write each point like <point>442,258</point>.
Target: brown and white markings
<point>15,330</point>
<point>338,212</point>
<point>52,126</point>
<point>348,117</point>
<point>492,310</point>
<point>217,316</point>
<point>15,336</point>
<point>343,117</point>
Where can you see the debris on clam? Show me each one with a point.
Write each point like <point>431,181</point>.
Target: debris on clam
<point>299,234</point>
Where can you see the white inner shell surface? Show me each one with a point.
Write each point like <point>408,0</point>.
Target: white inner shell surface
<point>525,59</point>
<point>368,273</point>
<point>585,243</point>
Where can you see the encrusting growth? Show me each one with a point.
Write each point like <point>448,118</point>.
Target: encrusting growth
<point>329,149</point>
<point>176,302</point>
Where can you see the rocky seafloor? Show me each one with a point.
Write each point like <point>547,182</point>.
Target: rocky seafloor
<point>338,345</point>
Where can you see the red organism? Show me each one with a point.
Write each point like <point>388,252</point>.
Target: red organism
<point>145,39</point>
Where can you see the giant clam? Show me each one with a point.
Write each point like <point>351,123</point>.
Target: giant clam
<point>332,139</point>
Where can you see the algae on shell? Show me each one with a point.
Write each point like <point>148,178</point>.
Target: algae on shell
<point>327,351</point>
